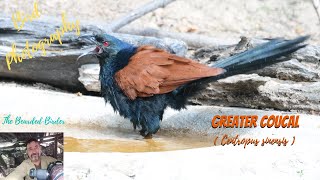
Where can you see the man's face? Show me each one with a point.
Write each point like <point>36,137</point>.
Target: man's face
<point>34,151</point>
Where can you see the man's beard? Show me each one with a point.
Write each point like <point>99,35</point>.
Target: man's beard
<point>35,157</point>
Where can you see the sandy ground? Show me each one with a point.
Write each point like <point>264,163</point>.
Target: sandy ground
<point>298,161</point>
<point>221,19</point>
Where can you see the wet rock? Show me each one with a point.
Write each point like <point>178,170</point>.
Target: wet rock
<point>89,77</point>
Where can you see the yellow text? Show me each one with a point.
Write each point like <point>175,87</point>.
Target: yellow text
<point>28,50</point>
<point>20,18</point>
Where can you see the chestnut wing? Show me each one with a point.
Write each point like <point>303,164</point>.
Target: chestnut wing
<point>154,71</point>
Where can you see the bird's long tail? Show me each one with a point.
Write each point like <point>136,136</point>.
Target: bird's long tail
<point>255,58</point>
<point>260,56</point>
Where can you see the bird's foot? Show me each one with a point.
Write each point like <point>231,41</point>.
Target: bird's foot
<point>148,136</point>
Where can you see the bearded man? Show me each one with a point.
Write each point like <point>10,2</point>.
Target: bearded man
<point>35,160</point>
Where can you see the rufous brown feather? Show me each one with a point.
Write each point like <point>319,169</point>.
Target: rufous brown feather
<point>154,71</point>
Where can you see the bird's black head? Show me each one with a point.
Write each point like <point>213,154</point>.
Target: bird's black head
<point>107,46</point>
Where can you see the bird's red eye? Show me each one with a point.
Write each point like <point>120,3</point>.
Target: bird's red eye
<point>105,43</point>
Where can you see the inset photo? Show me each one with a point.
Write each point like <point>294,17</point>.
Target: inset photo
<point>26,156</point>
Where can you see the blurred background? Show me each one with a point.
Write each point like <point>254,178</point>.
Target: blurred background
<point>223,19</point>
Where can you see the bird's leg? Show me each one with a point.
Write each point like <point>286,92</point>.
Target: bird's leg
<point>143,128</point>
<point>149,127</point>
<point>142,132</point>
<point>134,124</point>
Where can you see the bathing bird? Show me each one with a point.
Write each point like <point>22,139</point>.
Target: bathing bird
<point>140,82</point>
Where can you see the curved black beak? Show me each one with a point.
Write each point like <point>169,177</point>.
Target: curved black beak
<point>88,39</point>
<point>90,53</point>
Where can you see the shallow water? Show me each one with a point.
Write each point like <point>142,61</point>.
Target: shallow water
<point>134,145</point>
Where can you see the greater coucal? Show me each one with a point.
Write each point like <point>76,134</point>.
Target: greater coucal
<point>140,82</point>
